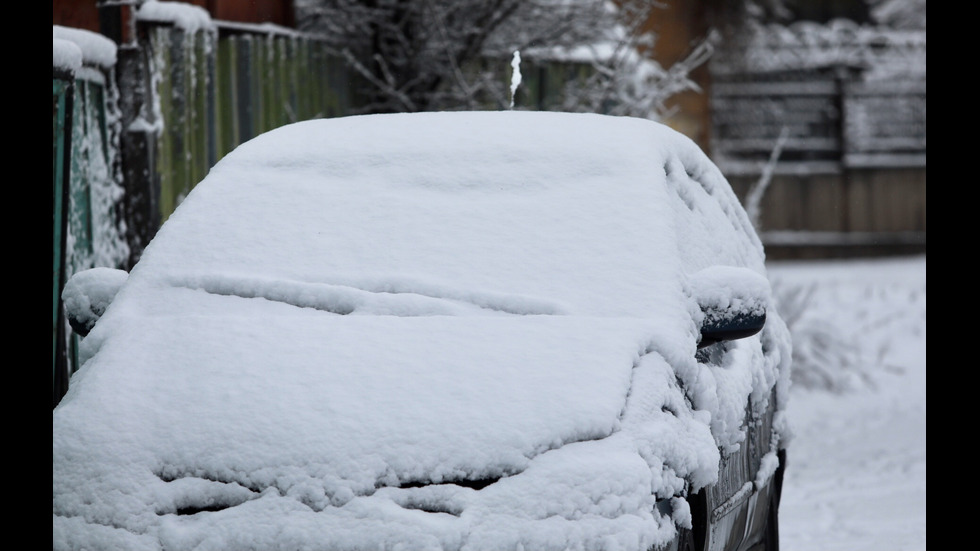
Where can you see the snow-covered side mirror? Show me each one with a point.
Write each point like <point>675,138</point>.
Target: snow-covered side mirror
<point>88,293</point>
<point>733,300</point>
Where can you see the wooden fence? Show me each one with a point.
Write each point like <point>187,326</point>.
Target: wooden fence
<point>851,172</point>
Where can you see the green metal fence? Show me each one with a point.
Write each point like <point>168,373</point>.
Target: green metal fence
<point>62,116</point>
<point>95,226</point>
<point>87,181</point>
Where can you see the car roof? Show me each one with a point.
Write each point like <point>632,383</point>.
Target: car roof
<point>524,212</point>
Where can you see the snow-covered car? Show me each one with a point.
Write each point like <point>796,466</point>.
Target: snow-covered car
<point>469,331</point>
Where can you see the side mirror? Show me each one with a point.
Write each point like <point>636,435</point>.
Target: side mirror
<point>88,293</point>
<point>733,302</point>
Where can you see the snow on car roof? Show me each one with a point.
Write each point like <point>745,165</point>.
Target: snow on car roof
<point>532,212</point>
<point>352,325</point>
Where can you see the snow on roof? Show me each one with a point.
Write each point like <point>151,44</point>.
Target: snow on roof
<point>349,318</point>
<point>186,16</point>
<point>95,48</point>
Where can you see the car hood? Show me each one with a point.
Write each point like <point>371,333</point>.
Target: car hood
<point>439,426</point>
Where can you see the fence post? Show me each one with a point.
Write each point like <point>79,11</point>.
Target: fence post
<point>117,20</point>
<point>138,151</point>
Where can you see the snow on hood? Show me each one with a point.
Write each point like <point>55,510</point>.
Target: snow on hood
<point>459,330</point>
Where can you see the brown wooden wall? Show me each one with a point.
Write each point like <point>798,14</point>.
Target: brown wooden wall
<point>77,14</point>
<point>679,25</point>
<point>83,14</point>
<point>279,12</point>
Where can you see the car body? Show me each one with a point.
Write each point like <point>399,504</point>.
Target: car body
<point>455,330</point>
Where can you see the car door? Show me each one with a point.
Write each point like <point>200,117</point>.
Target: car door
<point>736,509</point>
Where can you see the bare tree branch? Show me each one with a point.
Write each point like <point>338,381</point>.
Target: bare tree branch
<point>753,200</point>
<point>363,71</point>
<point>420,55</point>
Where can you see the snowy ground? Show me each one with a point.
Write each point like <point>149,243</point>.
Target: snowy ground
<point>856,476</point>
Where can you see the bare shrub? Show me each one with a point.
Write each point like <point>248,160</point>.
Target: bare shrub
<point>825,355</point>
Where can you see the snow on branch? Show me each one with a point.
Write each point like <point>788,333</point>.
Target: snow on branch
<point>422,55</point>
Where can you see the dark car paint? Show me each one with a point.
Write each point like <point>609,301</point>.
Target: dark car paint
<point>733,514</point>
